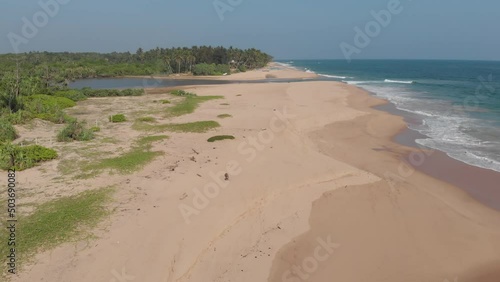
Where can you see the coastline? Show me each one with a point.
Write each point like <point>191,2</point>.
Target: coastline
<point>328,166</point>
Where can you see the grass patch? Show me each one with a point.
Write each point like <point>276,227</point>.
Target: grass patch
<point>127,163</point>
<point>224,116</point>
<point>146,119</point>
<point>146,142</point>
<point>136,158</point>
<point>193,127</point>
<point>146,127</point>
<point>95,129</point>
<point>75,131</point>
<point>117,118</point>
<point>58,221</point>
<point>24,157</point>
<point>165,101</point>
<point>188,105</point>
<point>220,138</point>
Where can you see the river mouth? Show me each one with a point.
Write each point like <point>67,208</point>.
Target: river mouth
<point>123,83</point>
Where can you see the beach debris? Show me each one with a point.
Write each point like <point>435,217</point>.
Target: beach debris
<point>195,151</point>
<point>226,176</point>
<point>193,159</point>
<point>184,196</point>
<point>198,174</point>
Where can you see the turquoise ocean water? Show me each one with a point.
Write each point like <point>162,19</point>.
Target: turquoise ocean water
<point>457,102</point>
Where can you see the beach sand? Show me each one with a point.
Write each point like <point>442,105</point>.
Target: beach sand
<point>317,191</point>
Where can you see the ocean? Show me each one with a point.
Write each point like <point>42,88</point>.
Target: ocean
<point>457,102</point>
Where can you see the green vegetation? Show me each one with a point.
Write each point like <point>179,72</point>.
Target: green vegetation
<point>117,118</point>
<point>95,129</point>
<point>23,157</point>
<point>220,137</point>
<point>7,131</point>
<point>63,220</point>
<point>146,119</point>
<point>242,68</point>
<point>89,92</point>
<point>73,95</point>
<point>181,93</point>
<point>193,127</point>
<point>75,131</point>
<point>224,116</point>
<point>52,69</point>
<point>147,142</point>
<point>133,160</point>
<point>211,69</point>
<point>189,104</point>
<point>224,104</point>
<point>48,107</point>
<point>165,101</point>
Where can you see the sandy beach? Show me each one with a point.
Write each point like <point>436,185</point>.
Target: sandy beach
<point>316,190</point>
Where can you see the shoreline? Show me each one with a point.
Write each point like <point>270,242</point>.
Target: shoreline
<point>315,163</point>
<point>443,167</point>
<point>401,189</point>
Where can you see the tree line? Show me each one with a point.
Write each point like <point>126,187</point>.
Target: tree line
<point>56,68</point>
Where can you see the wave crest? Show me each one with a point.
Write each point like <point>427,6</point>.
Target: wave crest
<point>399,81</point>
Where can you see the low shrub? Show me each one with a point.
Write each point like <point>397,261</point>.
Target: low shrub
<point>75,131</point>
<point>182,93</point>
<point>242,68</point>
<point>220,137</point>
<point>19,117</point>
<point>117,118</point>
<point>7,131</point>
<point>165,101</point>
<point>89,92</point>
<point>146,119</point>
<point>224,116</point>
<point>23,157</point>
<point>95,129</point>
<point>48,107</point>
<point>72,94</point>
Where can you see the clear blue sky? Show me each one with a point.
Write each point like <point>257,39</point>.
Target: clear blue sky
<point>287,29</point>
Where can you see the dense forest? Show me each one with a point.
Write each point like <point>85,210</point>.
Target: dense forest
<point>58,67</point>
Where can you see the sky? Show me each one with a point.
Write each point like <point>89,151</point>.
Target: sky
<point>286,29</point>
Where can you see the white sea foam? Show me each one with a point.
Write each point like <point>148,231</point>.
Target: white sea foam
<point>448,129</point>
<point>333,76</point>
<point>353,82</point>
<point>399,81</point>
